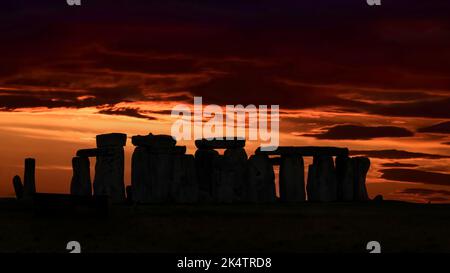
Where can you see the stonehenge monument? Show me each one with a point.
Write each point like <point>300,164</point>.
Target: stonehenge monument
<point>162,172</point>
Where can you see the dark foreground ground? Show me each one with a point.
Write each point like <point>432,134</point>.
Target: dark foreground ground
<point>337,227</point>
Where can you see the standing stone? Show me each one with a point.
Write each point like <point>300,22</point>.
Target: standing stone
<point>292,179</point>
<point>345,174</point>
<point>29,184</point>
<point>322,184</point>
<point>204,159</point>
<point>234,168</point>
<point>222,181</point>
<point>260,185</point>
<point>361,167</point>
<point>191,181</point>
<point>81,179</point>
<point>18,187</point>
<point>153,172</point>
<point>109,169</point>
<point>184,187</point>
<point>161,174</point>
<point>178,179</point>
<point>141,178</point>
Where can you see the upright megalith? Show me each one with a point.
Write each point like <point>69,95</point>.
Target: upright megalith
<point>345,178</point>
<point>161,172</point>
<point>234,166</point>
<point>141,177</point>
<point>351,176</point>
<point>205,162</point>
<point>221,177</point>
<point>29,183</point>
<point>18,187</point>
<point>184,187</point>
<point>322,183</point>
<point>154,178</point>
<point>81,178</point>
<point>292,179</point>
<point>260,186</point>
<point>222,181</point>
<point>109,167</point>
<point>361,167</point>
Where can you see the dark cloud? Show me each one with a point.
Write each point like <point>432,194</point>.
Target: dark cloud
<point>425,192</point>
<point>428,194</point>
<point>416,176</point>
<point>436,108</point>
<point>125,111</point>
<point>442,128</point>
<point>282,42</point>
<point>361,132</point>
<point>446,143</point>
<point>395,154</point>
<point>15,99</point>
<point>398,164</point>
<point>263,88</point>
<point>144,64</point>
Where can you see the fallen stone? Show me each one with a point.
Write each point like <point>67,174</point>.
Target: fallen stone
<point>378,198</point>
<point>220,144</point>
<point>292,179</point>
<point>111,140</point>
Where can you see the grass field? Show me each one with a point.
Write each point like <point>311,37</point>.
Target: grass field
<point>308,227</point>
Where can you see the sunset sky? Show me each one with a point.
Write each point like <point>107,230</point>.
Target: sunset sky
<point>373,79</point>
